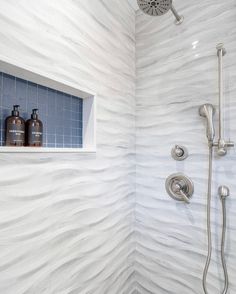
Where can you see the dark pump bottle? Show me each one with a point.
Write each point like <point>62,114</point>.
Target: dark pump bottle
<point>15,128</point>
<point>34,130</point>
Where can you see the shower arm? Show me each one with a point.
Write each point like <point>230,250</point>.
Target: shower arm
<point>221,145</point>
<point>179,18</point>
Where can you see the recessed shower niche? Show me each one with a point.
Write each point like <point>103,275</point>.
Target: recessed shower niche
<point>67,112</point>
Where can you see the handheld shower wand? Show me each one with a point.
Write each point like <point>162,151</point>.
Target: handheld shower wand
<point>208,111</point>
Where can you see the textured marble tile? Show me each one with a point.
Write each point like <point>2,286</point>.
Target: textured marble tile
<point>66,221</point>
<point>176,73</point>
<point>76,235</point>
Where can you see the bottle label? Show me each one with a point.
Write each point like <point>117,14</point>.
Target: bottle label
<point>16,134</point>
<point>35,136</point>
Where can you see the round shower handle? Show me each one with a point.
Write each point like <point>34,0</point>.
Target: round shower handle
<point>179,187</point>
<point>179,153</point>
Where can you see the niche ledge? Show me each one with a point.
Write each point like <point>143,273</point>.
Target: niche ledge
<point>89,108</point>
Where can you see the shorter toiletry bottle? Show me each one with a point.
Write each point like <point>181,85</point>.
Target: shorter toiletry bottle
<point>34,130</point>
<point>15,128</point>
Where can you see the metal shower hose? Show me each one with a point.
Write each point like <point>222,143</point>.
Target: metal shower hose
<point>208,260</point>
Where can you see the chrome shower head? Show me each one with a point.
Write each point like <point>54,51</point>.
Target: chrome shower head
<point>155,7</point>
<point>208,111</point>
<point>158,8</point>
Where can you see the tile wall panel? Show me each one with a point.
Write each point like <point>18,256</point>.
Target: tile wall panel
<point>66,220</point>
<point>176,73</point>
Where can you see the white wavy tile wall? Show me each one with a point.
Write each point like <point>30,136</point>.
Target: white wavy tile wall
<point>66,221</point>
<point>176,73</point>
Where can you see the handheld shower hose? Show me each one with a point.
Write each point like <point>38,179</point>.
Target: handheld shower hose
<point>208,260</point>
<point>223,192</point>
<point>207,111</point>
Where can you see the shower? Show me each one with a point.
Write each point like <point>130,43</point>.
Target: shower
<point>158,8</point>
<point>207,111</point>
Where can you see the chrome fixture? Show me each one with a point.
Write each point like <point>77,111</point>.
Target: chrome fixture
<point>179,18</point>
<point>209,241</point>
<point>224,193</point>
<point>222,145</point>
<point>179,153</point>
<point>158,8</point>
<point>179,187</point>
<point>207,111</point>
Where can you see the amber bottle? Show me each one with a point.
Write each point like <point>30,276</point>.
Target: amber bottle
<point>34,130</point>
<point>15,128</point>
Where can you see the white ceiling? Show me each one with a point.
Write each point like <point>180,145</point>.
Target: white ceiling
<point>134,4</point>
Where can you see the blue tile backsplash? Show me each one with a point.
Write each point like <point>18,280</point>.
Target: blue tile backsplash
<point>60,113</point>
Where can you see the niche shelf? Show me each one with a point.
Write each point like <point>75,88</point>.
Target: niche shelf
<point>88,108</point>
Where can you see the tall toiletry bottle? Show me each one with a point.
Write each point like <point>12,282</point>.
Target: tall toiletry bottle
<point>34,130</point>
<point>15,128</point>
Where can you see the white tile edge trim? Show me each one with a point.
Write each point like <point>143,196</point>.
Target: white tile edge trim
<point>89,107</point>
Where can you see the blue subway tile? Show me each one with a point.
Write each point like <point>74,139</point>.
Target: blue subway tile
<point>75,140</point>
<point>51,138</point>
<point>60,112</point>
<point>80,140</point>
<point>42,94</point>
<point>21,93</point>
<point>32,94</point>
<point>51,145</point>
<point>80,116</point>
<point>59,139</point>
<point>67,140</point>
<point>8,91</point>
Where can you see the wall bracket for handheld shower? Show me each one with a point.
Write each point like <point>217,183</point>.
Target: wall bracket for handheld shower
<point>207,111</point>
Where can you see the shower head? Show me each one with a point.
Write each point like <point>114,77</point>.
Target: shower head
<point>207,111</point>
<point>155,7</point>
<point>158,8</point>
